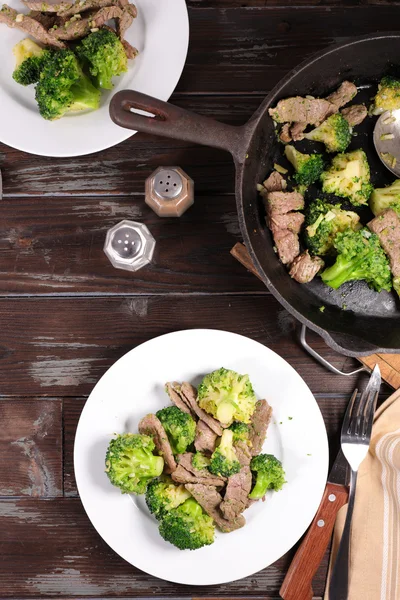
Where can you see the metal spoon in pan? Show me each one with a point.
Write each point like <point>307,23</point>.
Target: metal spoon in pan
<point>387,140</point>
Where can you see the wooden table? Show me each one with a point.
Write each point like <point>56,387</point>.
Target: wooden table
<point>66,315</point>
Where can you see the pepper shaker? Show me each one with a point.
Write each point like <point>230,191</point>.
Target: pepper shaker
<point>129,245</point>
<point>169,192</point>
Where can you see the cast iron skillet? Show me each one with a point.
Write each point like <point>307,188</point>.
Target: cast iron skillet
<point>356,320</point>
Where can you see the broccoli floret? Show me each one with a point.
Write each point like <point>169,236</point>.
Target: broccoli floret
<point>349,177</point>
<point>30,59</point>
<point>224,461</point>
<point>131,464</point>
<point>268,473</point>
<point>227,396</point>
<point>63,87</point>
<point>179,426</point>
<point>360,257</point>
<point>104,55</point>
<point>387,97</point>
<point>308,167</point>
<point>335,133</point>
<point>200,461</point>
<point>187,527</point>
<point>163,496</point>
<point>396,285</point>
<point>383,198</point>
<point>240,432</point>
<point>323,222</point>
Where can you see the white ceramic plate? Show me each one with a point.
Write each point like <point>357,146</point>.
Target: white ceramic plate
<point>133,387</point>
<point>160,33</point>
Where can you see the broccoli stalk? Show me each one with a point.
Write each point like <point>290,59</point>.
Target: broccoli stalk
<point>224,461</point>
<point>349,177</point>
<point>228,396</point>
<point>308,167</point>
<point>335,133</point>
<point>131,464</point>
<point>387,97</point>
<point>200,461</point>
<point>179,426</point>
<point>383,198</point>
<point>163,496</point>
<point>360,257</point>
<point>104,55</point>
<point>30,59</point>
<point>323,222</point>
<point>187,527</point>
<point>268,473</point>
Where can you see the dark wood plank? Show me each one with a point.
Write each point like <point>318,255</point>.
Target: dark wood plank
<point>62,347</point>
<point>56,244</point>
<point>62,555</point>
<point>31,448</point>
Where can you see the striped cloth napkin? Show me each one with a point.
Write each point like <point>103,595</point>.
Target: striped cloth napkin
<point>375,534</point>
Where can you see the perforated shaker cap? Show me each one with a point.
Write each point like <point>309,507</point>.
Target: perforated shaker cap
<point>169,192</point>
<point>129,245</point>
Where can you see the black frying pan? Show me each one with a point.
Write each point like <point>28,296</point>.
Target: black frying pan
<point>356,320</point>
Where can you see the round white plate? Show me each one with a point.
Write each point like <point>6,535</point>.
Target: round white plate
<point>160,33</point>
<point>133,387</point>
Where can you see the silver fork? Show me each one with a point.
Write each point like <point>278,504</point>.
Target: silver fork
<point>355,439</point>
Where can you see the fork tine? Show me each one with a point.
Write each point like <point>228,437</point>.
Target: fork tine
<point>369,416</point>
<point>349,413</point>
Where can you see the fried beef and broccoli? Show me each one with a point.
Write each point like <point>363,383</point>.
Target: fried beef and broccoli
<point>191,494</point>
<point>313,209</point>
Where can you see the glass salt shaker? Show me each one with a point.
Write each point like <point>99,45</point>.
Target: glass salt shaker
<point>169,192</point>
<point>129,245</point>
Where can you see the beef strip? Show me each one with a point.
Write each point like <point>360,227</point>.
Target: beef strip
<point>190,394</point>
<point>46,20</point>
<point>210,500</point>
<point>182,475</point>
<point>343,95</point>
<point>297,131</point>
<point>46,7</point>
<point>284,223</point>
<point>355,114</point>
<point>10,17</point>
<point>205,440</point>
<point>129,13</point>
<point>236,495</point>
<point>84,5</point>
<point>275,183</point>
<point>305,267</point>
<point>387,228</point>
<point>243,453</point>
<point>287,245</point>
<point>292,221</point>
<point>284,202</point>
<point>259,425</point>
<point>185,461</point>
<point>130,51</point>
<point>75,29</point>
<point>285,135</point>
<point>151,425</point>
<point>178,400</point>
<point>311,111</point>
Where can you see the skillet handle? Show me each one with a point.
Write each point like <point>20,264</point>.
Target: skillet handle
<point>174,122</point>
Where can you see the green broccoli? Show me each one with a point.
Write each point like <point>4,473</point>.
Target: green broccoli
<point>179,426</point>
<point>323,222</point>
<point>349,177</point>
<point>63,87</point>
<point>387,96</point>
<point>268,473</point>
<point>131,464</point>
<point>30,59</point>
<point>308,167</point>
<point>163,496</point>
<point>104,55</point>
<point>227,396</point>
<point>224,461</point>
<point>200,461</point>
<point>360,257</point>
<point>383,198</point>
<point>187,527</point>
<point>240,432</point>
<point>335,133</point>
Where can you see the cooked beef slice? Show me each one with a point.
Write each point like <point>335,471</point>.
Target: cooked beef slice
<point>285,135</point>
<point>129,13</point>
<point>243,453</point>
<point>311,111</point>
<point>292,221</point>
<point>297,131</point>
<point>176,398</point>
<point>355,114</point>
<point>13,19</point>
<point>190,394</point>
<point>83,6</point>
<point>275,183</point>
<point>205,440</point>
<point>259,425</point>
<point>130,51</point>
<point>150,425</point>
<point>305,267</point>
<point>387,228</point>
<point>46,20</point>
<point>185,461</point>
<point>210,500</point>
<point>343,95</point>
<point>46,7</point>
<point>284,202</point>
<point>75,29</point>
<point>285,224</point>
<point>287,245</point>
<point>181,475</point>
<point>236,495</point>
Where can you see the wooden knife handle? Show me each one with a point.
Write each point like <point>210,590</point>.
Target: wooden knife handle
<point>297,584</point>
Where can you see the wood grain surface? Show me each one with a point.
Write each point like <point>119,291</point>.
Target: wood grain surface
<point>66,315</point>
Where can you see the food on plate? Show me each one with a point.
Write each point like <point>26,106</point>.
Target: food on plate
<point>387,227</point>
<point>349,177</point>
<point>387,96</point>
<point>191,492</point>
<point>334,133</point>
<point>131,463</point>
<point>323,222</point>
<point>77,42</point>
<point>308,167</point>
<point>360,256</point>
<point>387,197</point>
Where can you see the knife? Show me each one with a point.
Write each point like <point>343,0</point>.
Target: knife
<point>297,584</point>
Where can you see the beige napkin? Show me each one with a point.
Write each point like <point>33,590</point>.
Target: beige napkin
<point>375,535</point>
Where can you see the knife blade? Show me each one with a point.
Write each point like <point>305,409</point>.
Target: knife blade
<point>297,584</point>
